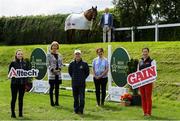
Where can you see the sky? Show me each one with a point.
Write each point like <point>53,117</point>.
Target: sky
<point>49,7</point>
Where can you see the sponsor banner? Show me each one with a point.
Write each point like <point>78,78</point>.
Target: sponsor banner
<point>66,76</point>
<point>116,92</point>
<point>38,61</point>
<point>21,73</point>
<point>142,77</point>
<point>40,86</point>
<point>119,60</point>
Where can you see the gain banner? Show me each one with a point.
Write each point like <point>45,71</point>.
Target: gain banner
<point>142,77</point>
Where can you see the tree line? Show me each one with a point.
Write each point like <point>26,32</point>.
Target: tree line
<point>130,13</point>
<point>126,13</point>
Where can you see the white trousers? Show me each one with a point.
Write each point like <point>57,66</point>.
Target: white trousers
<point>106,33</point>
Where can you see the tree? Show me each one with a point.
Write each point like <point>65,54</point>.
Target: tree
<point>167,11</point>
<point>134,12</point>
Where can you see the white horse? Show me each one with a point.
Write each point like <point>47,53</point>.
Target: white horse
<point>82,21</point>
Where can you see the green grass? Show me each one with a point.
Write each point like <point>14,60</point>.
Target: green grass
<point>165,53</point>
<point>166,94</point>
<point>37,106</point>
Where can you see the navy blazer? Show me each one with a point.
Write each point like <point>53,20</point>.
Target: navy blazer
<point>110,20</point>
<point>78,71</point>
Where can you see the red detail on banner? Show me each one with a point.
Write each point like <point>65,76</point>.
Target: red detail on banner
<point>142,77</point>
<point>12,73</point>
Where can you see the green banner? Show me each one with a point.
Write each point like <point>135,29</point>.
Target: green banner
<point>119,60</point>
<point>38,61</point>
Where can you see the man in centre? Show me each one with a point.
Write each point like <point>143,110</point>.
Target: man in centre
<point>79,71</point>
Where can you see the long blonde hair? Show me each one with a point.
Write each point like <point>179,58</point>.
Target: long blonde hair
<point>15,57</point>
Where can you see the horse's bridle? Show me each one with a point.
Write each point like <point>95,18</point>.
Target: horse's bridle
<point>92,16</point>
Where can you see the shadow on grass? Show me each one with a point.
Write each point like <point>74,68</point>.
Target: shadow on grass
<point>91,116</point>
<point>23,118</point>
<point>64,108</point>
<point>114,108</point>
<point>86,115</point>
<point>156,118</point>
<point>70,96</point>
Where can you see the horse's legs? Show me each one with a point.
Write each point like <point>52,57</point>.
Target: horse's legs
<point>73,37</point>
<point>67,36</point>
<point>84,34</point>
<point>70,34</point>
<point>89,35</point>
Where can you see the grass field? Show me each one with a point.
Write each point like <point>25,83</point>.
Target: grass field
<point>166,94</point>
<point>36,106</point>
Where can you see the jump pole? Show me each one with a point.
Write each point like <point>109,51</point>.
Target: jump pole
<point>109,72</point>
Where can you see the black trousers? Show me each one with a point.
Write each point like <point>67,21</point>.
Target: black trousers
<point>15,89</point>
<point>79,98</point>
<point>54,84</point>
<point>100,85</point>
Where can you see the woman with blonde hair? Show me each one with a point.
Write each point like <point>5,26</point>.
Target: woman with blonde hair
<point>54,63</point>
<point>18,84</point>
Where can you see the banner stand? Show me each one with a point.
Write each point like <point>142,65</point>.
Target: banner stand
<point>40,86</point>
<point>114,93</point>
<point>109,72</point>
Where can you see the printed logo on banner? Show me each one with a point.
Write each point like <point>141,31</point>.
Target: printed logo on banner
<point>21,73</point>
<point>38,61</point>
<point>118,64</point>
<point>142,77</point>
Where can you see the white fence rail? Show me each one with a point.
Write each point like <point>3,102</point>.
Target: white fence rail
<point>156,27</point>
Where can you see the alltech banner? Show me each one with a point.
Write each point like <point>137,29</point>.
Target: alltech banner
<point>142,77</point>
<point>20,73</point>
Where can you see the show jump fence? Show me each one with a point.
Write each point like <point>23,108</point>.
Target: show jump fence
<point>156,27</point>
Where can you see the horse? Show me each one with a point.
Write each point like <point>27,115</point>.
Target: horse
<point>82,21</point>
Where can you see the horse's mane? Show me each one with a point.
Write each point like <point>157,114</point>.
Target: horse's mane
<point>88,10</point>
<point>88,13</point>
